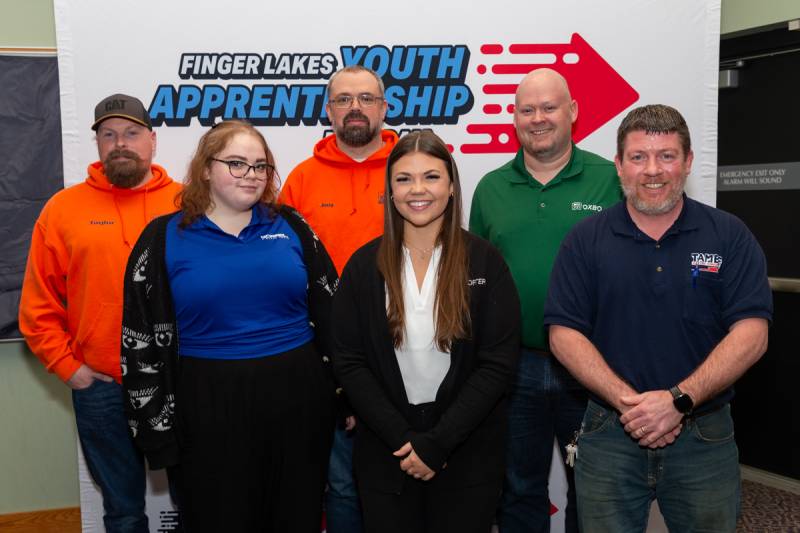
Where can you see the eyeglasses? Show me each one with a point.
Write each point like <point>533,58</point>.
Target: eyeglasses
<point>345,101</point>
<point>239,169</point>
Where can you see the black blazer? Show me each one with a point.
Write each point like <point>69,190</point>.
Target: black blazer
<point>470,404</point>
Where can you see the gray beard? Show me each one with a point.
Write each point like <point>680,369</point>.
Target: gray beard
<point>649,209</point>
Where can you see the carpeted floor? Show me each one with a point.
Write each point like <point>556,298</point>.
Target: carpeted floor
<point>768,510</point>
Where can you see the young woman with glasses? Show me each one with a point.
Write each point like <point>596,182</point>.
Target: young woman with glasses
<point>225,327</point>
<point>426,339</point>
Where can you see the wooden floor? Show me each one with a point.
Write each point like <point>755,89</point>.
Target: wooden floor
<point>50,521</point>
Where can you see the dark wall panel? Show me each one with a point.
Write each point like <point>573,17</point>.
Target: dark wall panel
<point>31,168</point>
<point>759,123</point>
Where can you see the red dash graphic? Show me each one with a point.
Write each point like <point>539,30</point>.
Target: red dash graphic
<point>492,109</point>
<point>500,88</point>
<point>492,49</point>
<point>503,139</point>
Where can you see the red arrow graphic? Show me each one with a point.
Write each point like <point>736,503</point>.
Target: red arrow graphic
<point>600,91</point>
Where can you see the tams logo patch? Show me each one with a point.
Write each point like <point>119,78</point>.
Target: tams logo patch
<point>706,262</point>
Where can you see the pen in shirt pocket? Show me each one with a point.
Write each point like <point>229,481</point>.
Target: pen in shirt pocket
<point>695,273</point>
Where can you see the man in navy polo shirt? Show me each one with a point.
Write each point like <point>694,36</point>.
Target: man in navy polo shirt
<point>657,305</point>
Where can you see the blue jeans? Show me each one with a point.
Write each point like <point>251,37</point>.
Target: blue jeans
<point>113,461</point>
<point>342,509</point>
<point>695,479</point>
<point>546,403</point>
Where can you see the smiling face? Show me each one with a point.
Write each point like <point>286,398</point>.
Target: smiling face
<point>421,189</point>
<point>237,194</point>
<point>543,115</point>
<point>653,169</point>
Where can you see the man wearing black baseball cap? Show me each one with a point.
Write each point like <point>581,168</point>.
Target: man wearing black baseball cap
<point>71,304</point>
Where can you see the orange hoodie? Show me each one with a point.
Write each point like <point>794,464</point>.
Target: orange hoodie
<point>341,198</point>
<point>71,306</point>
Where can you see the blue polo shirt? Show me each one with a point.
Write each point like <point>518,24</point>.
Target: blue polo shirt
<point>238,297</point>
<point>656,309</point>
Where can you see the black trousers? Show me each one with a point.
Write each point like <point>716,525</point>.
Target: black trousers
<point>254,437</point>
<point>424,508</point>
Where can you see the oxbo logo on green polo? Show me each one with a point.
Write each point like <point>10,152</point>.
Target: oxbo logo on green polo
<point>580,206</point>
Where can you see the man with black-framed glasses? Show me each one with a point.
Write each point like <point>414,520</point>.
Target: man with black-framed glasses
<point>340,192</point>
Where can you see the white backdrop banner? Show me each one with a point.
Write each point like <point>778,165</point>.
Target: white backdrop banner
<point>448,66</point>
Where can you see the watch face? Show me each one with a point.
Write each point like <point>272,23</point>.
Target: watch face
<point>683,403</point>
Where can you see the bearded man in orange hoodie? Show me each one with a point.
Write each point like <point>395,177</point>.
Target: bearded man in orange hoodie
<point>340,192</point>
<point>71,304</point>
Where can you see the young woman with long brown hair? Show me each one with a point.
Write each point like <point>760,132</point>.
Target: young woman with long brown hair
<point>242,404</point>
<point>426,339</point>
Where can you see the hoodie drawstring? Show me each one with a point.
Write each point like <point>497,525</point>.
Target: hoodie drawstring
<point>121,220</point>
<point>125,240</point>
<point>352,191</point>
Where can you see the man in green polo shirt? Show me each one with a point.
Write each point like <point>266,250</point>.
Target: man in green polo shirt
<point>525,208</point>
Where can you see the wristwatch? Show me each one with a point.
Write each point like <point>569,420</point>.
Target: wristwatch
<point>682,401</point>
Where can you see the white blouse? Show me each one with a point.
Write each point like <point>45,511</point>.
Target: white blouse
<point>422,366</point>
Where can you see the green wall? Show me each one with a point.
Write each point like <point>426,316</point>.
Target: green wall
<point>738,15</point>
<point>37,435</point>
<point>38,461</point>
<point>27,23</point>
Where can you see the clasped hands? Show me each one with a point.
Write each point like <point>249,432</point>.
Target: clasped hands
<point>651,418</point>
<point>412,465</point>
